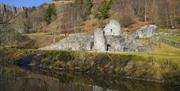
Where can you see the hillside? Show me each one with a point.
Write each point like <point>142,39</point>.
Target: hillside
<point>88,13</point>
<point>74,16</point>
<point>77,15</point>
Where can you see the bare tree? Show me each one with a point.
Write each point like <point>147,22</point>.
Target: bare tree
<point>145,11</point>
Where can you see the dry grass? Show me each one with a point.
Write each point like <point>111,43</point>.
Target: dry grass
<point>135,26</point>
<point>43,39</point>
<point>173,38</point>
<point>91,25</point>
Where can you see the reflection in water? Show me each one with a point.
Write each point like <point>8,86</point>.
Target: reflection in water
<point>76,83</point>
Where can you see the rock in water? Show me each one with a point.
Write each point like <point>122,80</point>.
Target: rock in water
<point>99,40</point>
<point>146,31</point>
<point>113,28</point>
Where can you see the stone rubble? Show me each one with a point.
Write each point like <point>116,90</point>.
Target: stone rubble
<point>146,31</point>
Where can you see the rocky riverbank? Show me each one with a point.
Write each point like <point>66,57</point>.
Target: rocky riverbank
<point>140,66</point>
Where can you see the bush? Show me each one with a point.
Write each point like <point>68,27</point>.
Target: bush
<point>58,63</point>
<point>103,11</point>
<point>177,20</point>
<point>50,13</point>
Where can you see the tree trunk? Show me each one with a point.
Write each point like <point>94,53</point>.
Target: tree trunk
<point>145,12</point>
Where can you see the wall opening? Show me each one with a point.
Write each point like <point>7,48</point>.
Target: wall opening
<point>91,45</point>
<point>107,47</point>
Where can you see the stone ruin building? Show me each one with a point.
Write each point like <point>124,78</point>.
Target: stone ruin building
<point>110,38</point>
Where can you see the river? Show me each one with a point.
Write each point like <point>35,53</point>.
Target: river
<point>76,82</point>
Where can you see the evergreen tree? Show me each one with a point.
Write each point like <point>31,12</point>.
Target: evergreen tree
<point>50,13</point>
<point>103,11</point>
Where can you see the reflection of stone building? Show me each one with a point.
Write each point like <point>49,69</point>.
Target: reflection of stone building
<point>111,38</point>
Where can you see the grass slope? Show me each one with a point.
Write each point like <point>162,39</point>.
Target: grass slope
<point>173,38</point>
<point>160,65</point>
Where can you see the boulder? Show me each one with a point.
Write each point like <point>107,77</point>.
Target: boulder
<point>146,31</point>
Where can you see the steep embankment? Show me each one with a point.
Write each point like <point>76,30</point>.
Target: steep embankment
<point>23,20</point>
<point>15,21</point>
<point>140,66</point>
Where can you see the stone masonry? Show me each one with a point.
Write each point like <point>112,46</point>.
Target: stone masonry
<point>111,38</point>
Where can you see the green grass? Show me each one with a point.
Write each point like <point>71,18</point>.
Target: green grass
<point>174,31</point>
<point>177,31</point>
<point>159,54</point>
<point>162,63</point>
<point>161,51</point>
<point>173,38</point>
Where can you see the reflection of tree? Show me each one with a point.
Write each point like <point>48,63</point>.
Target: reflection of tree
<point>78,82</point>
<point>31,84</point>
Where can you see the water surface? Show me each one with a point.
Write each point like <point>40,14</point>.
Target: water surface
<point>70,82</point>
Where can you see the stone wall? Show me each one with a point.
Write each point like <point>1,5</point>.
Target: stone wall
<point>114,43</point>
<point>123,44</point>
<point>99,40</point>
<point>113,28</point>
<point>146,31</point>
<point>75,42</point>
<point>103,40</point>
<point>177,44</point>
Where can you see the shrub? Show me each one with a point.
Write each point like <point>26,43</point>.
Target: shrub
<point>50,13</point>
<point>103,10</point>
<point>177,20</point>
<point>58,63</point>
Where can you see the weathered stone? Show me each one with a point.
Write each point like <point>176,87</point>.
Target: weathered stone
<point>114,43</point>
<point>177,44</point>
<point>146,31</point>
<point>113,28</point>
<point>75,42</point>
<point>104,40</point>
<point>99,40</point>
